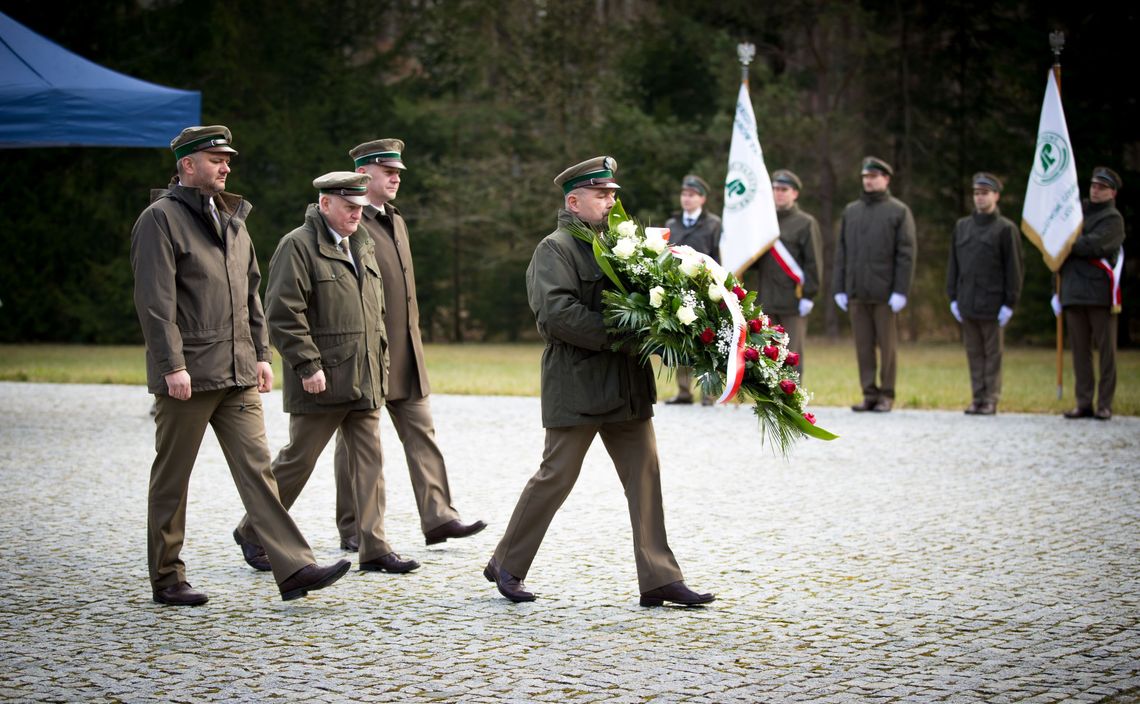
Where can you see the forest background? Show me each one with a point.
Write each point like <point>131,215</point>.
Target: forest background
<point>495,97</point>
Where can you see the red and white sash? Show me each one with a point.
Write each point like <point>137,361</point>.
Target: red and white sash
<point>788,263</point>
<point>1114,273</point>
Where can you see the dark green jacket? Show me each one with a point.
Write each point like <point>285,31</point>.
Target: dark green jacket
<point>1083,283</point>
<point>583,382</point>
<point>196,293</point>
<point>874,254</point>
<point>775,290</point>
<point>984,271</point>
<point>703,236</point>
<point>323,316</point>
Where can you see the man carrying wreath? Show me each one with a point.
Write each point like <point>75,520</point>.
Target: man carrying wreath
<point>588,390</point>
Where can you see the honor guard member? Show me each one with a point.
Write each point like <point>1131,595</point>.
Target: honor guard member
<point>325,306</point>
<point>207,359</point>
<point>786,278</point>
<point>588,390</point>
<point>874,267</point>
<point>983,283</point>
<point>1090,295</point>
<point>408,401</point>
<point>696,227</point>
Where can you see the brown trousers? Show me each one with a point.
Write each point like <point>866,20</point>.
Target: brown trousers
<point>416,430</point>
<point>796,327</point>
<point>309,433</point>
<point>983,340</point>
<point>632,446</point>
<point>875,326</point>
<point>236,416</point>
<point>1093,327</point>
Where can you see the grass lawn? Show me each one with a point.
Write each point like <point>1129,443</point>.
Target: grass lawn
<point>930,375</point>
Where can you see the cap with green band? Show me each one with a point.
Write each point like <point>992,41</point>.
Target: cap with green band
<point>212,138</point>
<point>382,152</point>
<point>350,185</point>
<point>593,173</point>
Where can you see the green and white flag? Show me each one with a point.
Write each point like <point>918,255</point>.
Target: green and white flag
<point>750,225</point>
<point>1051,217</point>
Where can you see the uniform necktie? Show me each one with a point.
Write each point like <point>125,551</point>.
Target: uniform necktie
<point>348,252</point>
<point>214,215</point>
<point>689,222</point>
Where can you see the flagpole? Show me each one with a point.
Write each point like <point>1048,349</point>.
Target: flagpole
<point>1057,43</point>
<point>745,52</point>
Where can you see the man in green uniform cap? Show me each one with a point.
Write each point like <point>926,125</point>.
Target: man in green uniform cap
<point>874,268</point>
<point>207,358</point>
<point>588,390</point>
<point>983,283</point>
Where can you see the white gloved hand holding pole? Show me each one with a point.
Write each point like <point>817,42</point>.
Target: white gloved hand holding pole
<point>954,311</point>
<point>841,301</point>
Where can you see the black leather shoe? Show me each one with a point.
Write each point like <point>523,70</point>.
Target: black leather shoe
<point>509,585</point>
<point>311,578</point>
<point>680,401</point>
<point>988,408</point>
<point>972,409</point>
<point>867,405</point>
<point>253,553</point>
<point>452,529</point>
<point>389,563</point>
<point>1103,414</point>
<point>883,405</point>
<point>1079,413</point>
<point>677,593</point>
<point>181,594</point>
<point>350,544</point>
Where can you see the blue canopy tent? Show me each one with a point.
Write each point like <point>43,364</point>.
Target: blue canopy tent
<point>50,97</point>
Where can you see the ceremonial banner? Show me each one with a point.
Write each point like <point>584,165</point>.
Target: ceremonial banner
<point>1051,217</point>
<point>750,225</point>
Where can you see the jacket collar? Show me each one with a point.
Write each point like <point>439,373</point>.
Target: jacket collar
<point>877,197</point>
<point>986,218</point>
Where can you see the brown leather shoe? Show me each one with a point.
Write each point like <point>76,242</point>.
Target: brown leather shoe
<point>181,594</point>
<point>509,585</point>
<point>389,563</point>
<point>883,405</point>
<point>311,578</point>
<point>868,404</point>
<point>988,408</point>
<point>253,553</point>
<point>1079,413</point>
<point>452,529</point>
<point>677,593</point>
<point>350,544</point>
<point>1103,414</point>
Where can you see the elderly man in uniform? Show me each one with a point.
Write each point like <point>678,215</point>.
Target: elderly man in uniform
<point>207,358</point>
<point>983,283</point>
<point>588,390</point>
<point>407,401</point>
<point>786,278</point>
<point>874,267</point>
<point>325,305</point>
<point>1090,296</point>
<point>701,230</point>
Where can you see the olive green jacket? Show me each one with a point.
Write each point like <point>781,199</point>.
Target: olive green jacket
<point>984,270</point>
<point>323,315</point>
<point>775,290</point>
<point>874,254</point>
<point>583,381</point>
<point>1083,283</point>
<point>196,291</point>
<point>703,236</point>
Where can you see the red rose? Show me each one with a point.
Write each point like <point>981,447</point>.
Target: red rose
<point>755,325</point>
<point>751,354</point>
<point>788,386</point>
<point>771,353</point>
<point>707,335</point>
<point>810,417</point>
<point>793,359</point>
<point>779,328</point>
<point>740,293</point>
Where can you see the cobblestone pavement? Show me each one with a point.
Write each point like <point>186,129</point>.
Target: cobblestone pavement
<point>923,557</point>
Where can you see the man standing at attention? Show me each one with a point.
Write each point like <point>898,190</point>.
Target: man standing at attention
<point>787,276</point>
<point>983,283</point>
<point>207,357</point>
<point>874,267</point>
<point>588,390</point>
<point>696,227</point>
<point>1090,296</point>
<point>407,400</point>
<point>325,306</point>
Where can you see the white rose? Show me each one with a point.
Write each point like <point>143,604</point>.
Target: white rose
<point>690,266</point>
<point>626,228</point>
<point>656,296</point>
<point>655,240</point>
<point>718,273</point>
<point>714,292</point>
<point>686,315</point>
<point>625,247</point>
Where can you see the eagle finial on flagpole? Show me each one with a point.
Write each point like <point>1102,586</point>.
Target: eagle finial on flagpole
<point>745,52</point>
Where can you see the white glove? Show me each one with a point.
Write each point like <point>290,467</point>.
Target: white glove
<point>805,306</point>
<point>897,302</point>
<point>841,301</point>
<point>1004,314</point>
<point>954,311</point>
<point>1055,304</point>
